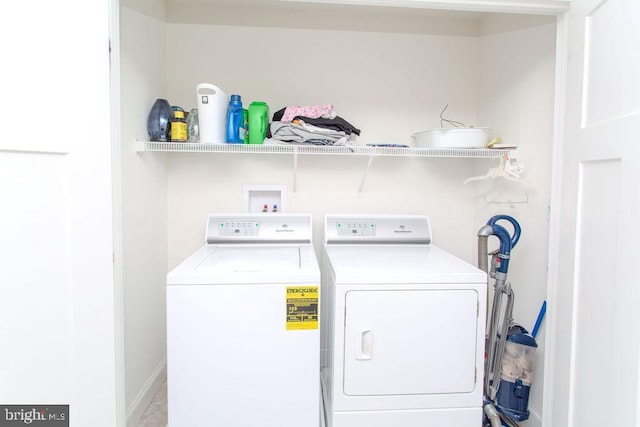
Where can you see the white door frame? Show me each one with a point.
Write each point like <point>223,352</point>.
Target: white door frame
<point>116,180</point>
<point>554,224</point>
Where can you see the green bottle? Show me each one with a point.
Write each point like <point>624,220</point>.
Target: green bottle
<point>258,122</point>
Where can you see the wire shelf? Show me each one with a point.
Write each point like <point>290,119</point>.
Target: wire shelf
<point>343,150</point>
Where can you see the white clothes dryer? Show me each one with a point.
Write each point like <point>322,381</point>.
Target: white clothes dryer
<point>242,326</point>
<point>404,326</point>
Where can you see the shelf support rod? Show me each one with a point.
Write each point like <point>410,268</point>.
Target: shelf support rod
<point>364,177</point>
<point>295,173</point>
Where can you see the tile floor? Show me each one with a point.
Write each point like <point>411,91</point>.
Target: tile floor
<point>156,413</point>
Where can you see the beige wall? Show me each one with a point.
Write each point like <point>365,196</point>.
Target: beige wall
<point>388,85</point>
<point>144,213</point>
<point>518,84</point>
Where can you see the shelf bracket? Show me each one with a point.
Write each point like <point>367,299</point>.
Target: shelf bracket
<point>140,146</point>
<point>364,177</point>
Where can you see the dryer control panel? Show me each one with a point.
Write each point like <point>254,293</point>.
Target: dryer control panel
<point>356,228</point>
<point>258,228</point>
<point>368,229</point>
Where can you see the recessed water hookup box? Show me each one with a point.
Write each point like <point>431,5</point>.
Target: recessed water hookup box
<point>264,198</point>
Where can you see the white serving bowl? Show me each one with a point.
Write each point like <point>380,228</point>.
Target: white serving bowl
<point>453,138</point>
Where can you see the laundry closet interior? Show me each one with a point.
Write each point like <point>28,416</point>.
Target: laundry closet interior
<point>389,71</point>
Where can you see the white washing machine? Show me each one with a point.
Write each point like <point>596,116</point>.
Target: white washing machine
<point>242,326</point>
<point>404,326</point>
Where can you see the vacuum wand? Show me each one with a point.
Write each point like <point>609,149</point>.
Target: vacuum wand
<point>483,237</point>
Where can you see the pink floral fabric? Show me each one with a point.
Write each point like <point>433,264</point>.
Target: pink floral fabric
<point>311,111</point>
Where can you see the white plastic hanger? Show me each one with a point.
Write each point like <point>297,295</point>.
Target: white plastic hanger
<point>505,170</point>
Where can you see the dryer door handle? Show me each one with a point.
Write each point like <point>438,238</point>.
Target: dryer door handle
<point>364,344</point>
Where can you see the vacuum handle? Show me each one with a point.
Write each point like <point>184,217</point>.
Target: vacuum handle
<point>516,226</point>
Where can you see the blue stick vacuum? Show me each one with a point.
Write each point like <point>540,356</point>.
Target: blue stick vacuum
<point>510,350</point>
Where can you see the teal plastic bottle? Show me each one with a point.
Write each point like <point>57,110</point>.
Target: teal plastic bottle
<point>235,121</point>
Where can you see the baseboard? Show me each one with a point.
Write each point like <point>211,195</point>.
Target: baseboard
<point>142,400</point>
<point>535,418</point>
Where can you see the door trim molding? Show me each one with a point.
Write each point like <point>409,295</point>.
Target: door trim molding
<point>554,218</point>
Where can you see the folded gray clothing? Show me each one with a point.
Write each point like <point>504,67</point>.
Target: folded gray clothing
<point>272,141</point>
<point>305,133</point>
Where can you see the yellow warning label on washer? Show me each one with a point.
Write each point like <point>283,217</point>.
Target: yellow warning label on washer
<point>302,307</point>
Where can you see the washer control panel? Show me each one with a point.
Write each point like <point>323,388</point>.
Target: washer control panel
<point>238,228</point>
<point>258,228</point>
<point>370,229</point>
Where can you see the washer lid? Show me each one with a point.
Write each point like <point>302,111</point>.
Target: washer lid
<point>250,259</point>
<point>247,264</point>
<point>384,264</point>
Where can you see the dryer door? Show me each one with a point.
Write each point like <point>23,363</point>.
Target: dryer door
<point>402,342</point>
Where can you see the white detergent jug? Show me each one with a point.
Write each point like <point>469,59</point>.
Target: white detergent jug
<point>212,113</point>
